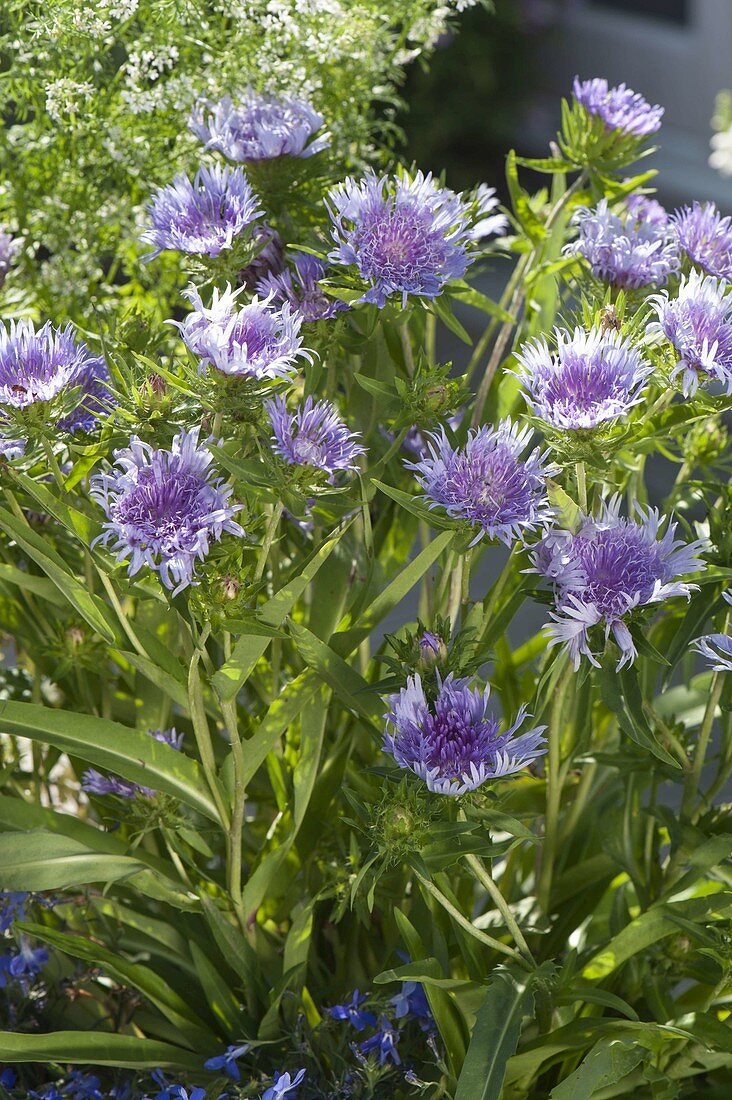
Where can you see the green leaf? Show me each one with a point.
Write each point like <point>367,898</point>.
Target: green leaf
<point>221,1000</point>
<point>415,506</point>
<point>474,298</point>
<point>348,684</point>
<point>527,219</point>
<point>96,1048</point>
<point>442,308</point>
<point>607,1063</point>
<point>495,1036</point>
<point>130,753</point>
<point>47,861</point>
<point>282,713</point>
<point>622,695</point>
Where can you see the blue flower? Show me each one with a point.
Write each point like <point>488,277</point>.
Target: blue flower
<point>301,288</point>
<point>283,1085</point>
<point>620,108</point>
<point>175,1091</point>
<point>164,508</point>
<point>259,127</point>
<point>352,1012</point>
<point>404,235</point>
<point>631,251</point>
<point>227,1061</point>
<point>706,238</point>
<point>24,966</point>
<point>608,568</point>
<point>698,324</point>
<point>486,482</point>
<point>411,1001</point>
<point>454,744</point>
<point>717,648</point>
<point>593,377</point>
<point>384,1043</point>
<point>12,903</point>
<point>203,216</point>
<point>8,1077</point>
<point>94,782</point>
<point>314,435</point>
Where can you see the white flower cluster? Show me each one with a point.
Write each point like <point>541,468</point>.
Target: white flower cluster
<point>66,97</point>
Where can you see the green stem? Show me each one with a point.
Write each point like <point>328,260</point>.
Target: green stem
<point>581,475</point>
<point>58,477</point>
<point>269,536</point>
<point>705,732</point>
<point>483,877</point>
<point>200,727</point>
<point>553,791</point>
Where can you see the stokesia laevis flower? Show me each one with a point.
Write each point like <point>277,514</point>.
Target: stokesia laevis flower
<point>486,482</point>
<point>698,323</point>
<point>611,566</point>
<point>706,238</point>
<point>404,235</point>
<point>620,108</point>
<point>164,508</point>
<point>454,744</point>
<point>93,782</point>
<point>254,341</point>
<point>259,127</point>
<point>301,288</point>
<point>269,261</point>
<point>717,648</point>
<point>593,377</point>
<point>487,220</point>
<point>314,435</point>
<point>202,216</point>
<point>49,365</point>
<point>638,249</point>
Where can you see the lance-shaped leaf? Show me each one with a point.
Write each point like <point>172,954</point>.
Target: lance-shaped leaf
<point>495,1036</point>
<point>96,1048</point>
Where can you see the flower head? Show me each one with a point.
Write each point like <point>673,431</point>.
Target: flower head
<point>411,1003</point>
<point>227,1061</point>
<point>283,1085</point>
<point>24,966</point>
<point>698,323</point>
<point>47,364</point>
<point>706,238</point>
<point>717,648</point>
<point>636,250</point>
<point>202,216</point>
<point>486,482</point>
<point>383,1043</point>
<point>620,108</point>
<point>259,127</point>
<point>609,567</point>
<point>405,236</point>
<point>270,260</point>
<point>314,435</point>
<point>487,221</point>
<point>254,341</point>
<point>353,1013</point>
<point>175,1091</point>
<point>594,377</point>
<point>164,508</point>
<point>301,288</point>
<point>454,744</point>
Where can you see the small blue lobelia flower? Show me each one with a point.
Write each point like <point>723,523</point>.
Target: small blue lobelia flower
<point>175,1091</point>
<point>255,341</point>
<point>48,363</point>
<point>353,1013</point>
<point>314,435</point>
<point>12,907</point>
<point>383,1043</point>
<point>411,1003</point>
<point>164,508</point>
<point>259,127</point>
<point>594,377</point>
<point>706,238</point>
<point>202,216</point>
<point>301,288</point>
<point>404,235</point>
<point>227,1062</point>
<point>454,744</point>
<point>24,966</point>
<point>486,482</point>
<point>636,250</point>
<point>284,1085</point>
<point>698,323</point>
<point>93,782</point>
<point>620,108</point>
<point>609,567</point>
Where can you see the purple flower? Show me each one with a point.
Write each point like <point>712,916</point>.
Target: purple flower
<point>8,248</point>
<point>48,365</point>
<point>486,222</point>
<point>698,323</point>
<point>486,482</point>
<point>352,1012</point>
<point>269,261</point>
<point>12,907</point>
<point>259,127</point>
<point>82,1086</point>
<point>301,288</point>
<point>405,236</point>
<point>631,251</point>
<point>203,216</point>
<point>411,1002</point>
<point>174,1091</point>
<point>609,567</point>
<point>619,108</point>
<point>384,1043</point>
<point>227,1061</point>
<point>430,646</point>
<point>644,208</point>
<point>314,435</point>
<point>94,782</point>
<point>454,744</point>
<point>594,377</point>
<point>164,508</point>
<point>717,648</point>
<point>255,341</point>
<point>24,966</point>
<point>706,238</point>
<point>283,1085</point>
